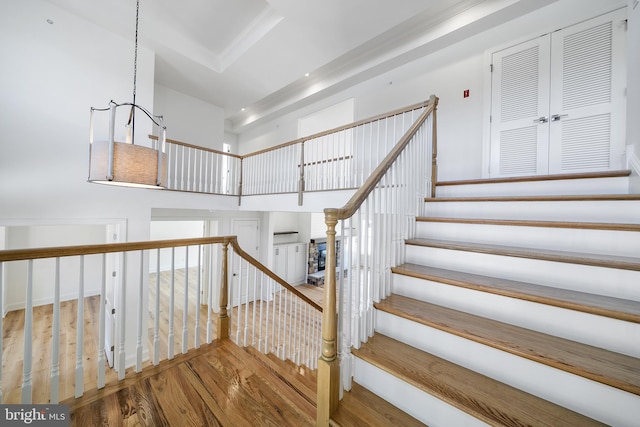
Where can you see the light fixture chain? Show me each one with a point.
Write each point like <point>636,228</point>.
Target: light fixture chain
<point>135,58</point>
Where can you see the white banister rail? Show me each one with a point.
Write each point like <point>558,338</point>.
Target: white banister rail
<point>337,159</point>
<point>158,309</point>
<point>369,231</point>
<point>270,313</point>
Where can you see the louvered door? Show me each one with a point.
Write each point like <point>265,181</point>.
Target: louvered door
<point>520,109</point>
<point>587,96</point>
<point>557,101</point>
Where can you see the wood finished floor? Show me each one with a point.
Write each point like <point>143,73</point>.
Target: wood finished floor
<point>221,385</point>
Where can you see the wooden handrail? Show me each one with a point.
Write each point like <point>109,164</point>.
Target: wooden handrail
<point>363,192</point>
<point>65,251</point>
<point>265,270</point>
<point>197,147</point>
<point>341,128</point>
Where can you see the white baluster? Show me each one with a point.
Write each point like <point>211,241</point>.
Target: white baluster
<point>280,347</point>
<point>210,295</point>
<point>102,363</point>
<point>122,310</point>
<point>80,333</point>
<point>185,306</point>
<point>246,307</point>
<point>1,326</point>
<point>253,326</point>
<point>140,315</point>
<point>170,338</point>
<point>196,339</point>
<point>28,337</point>
<point>239,317</point>
<point>262,297</point>
<point>156,315</point>
<point>54,394</point>
<point>268,303</point>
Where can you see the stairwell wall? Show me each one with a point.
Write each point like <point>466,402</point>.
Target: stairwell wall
<point>633,91</point>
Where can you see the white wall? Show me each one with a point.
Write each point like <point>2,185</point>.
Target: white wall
<point>189,119</point>
<point>445,73</point>
<point>44,270</point>
<point>51,75</point>
<point>633,90</point>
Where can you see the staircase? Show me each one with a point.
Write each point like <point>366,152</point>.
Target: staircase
<point>519,304</point>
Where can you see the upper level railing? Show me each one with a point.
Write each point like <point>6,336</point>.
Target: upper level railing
<point>255,308</point>
<point>337,159</point>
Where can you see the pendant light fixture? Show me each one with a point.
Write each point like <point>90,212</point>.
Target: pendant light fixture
<point>125,163</point>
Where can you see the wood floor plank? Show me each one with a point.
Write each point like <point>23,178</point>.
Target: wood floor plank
<point>616,370</point>
<point>493,402</point>
<point>615,308</point>
<point>606,261</point>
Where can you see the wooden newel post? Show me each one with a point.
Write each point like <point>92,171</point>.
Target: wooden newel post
<point>328,364</point>
<point>223,317</point>
<point>434,151</point>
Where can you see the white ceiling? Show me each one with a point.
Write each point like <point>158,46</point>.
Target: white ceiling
<point>254,54</point>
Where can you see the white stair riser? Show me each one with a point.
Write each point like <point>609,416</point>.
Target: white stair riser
<point>415,402</point>
<point>619,211</point>
<point>591,398</point>
<point>618,185</point>
<point>618,243</point>
<point>584,278</point>
<point>611,334</point>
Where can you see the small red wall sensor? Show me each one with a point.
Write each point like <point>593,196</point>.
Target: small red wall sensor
<point>465,94</point>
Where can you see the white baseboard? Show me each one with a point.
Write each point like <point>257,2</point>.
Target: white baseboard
<point>49,300</point>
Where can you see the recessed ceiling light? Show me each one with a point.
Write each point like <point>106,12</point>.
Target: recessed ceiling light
<point>242,109</point>
<point>306,75</point>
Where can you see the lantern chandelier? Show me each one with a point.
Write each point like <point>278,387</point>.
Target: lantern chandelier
<point>125,163</point>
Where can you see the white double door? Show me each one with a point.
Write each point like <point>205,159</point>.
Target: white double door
<point>558,101</point>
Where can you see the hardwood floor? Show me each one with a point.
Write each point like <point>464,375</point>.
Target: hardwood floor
<point>220,384</point>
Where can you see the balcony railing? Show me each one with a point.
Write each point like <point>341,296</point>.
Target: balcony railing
<point>273,317</point>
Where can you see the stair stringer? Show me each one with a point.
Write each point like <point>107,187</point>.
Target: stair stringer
<point>593,399</point>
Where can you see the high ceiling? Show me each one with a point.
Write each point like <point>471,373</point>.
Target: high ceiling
<point>254,54</point>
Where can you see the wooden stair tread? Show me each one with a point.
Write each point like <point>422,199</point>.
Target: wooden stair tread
<point>615,308</point>
<point>480,396</point>
<point>542,224</point>
<point>554,177</point>
<point>360,407</point>
<point>294,378</point>
<point>614,369</point>
<point>560,198</point>
<point>607,261</point>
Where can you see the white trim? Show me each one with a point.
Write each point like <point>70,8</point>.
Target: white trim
<point>69,296</point>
